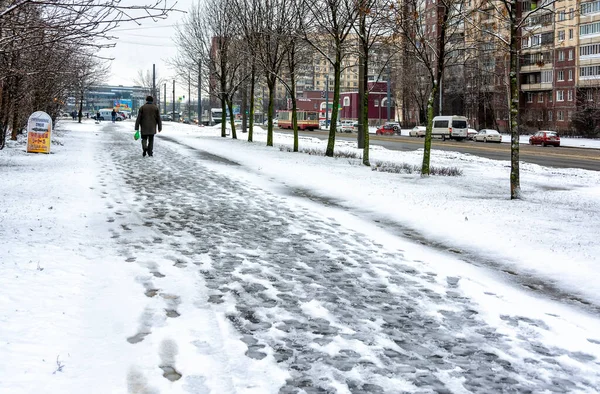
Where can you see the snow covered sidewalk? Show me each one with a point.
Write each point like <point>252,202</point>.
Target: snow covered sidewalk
<point>189,272</point>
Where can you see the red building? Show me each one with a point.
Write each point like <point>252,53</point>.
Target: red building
<point>378,104</point>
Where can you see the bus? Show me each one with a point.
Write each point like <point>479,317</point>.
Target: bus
<point>307,120</point>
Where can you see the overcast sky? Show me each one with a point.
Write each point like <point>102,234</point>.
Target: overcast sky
<point>140,46</point>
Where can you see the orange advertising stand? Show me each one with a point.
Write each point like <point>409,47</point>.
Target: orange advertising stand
<point>39,132</point>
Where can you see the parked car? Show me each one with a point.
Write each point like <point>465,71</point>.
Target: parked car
<point>545,138</point>
<point>347,126</point>
<point>386,129</point>
<point>471,133</point>
<point>488,135</point>
<point>166,118</point>
<point>417,131</point>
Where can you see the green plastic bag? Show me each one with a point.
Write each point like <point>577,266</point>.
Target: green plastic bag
<point>136,136</point>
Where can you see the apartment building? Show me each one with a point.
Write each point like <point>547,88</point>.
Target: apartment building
<point>560,61</point>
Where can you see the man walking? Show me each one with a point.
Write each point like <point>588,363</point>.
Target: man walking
<point>147,121</point>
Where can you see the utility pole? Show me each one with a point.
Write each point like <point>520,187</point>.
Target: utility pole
<point>154,81</point>
<point>389,95</point>
<point>199,93</point>
<point>165,103</point>
<point>362,82</point>
<point>173,114</point>
<point>189,98</point>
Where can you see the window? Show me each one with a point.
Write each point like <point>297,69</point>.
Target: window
<point>589,29</point>
<point>561,56</point>
<point>569,113</point>
<point>571,13</point>
<point>559,116</point>
<point>346,101</point>
<point>547,76</point>
<point>589,95</point>
<point>590,8</point>
<point>561,35</point>
<point>529,97</point>
<point>570,34</point>
<point>376,103</point>
<point>540,97</point>
<point>589,50</point>
<point>589,72</point>
<point>570,54</point>
<point>550,97</point>
<point>550,116</point>
<point>570,75</point>
<point>560,95</point>
<point>561,16</point>
<point>569,95</point>
<point>560,76</point>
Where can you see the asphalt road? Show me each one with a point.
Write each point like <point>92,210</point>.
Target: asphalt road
<point>562,157</point>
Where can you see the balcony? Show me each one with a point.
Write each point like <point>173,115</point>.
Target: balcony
<point>535,67</point>
<point>589,82</point>
<point>530,87</point>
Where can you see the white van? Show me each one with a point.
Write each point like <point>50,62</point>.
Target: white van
<point>452,127</point>
<point>106,114</point>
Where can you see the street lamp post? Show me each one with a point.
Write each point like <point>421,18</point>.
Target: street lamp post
<point>173,114</point>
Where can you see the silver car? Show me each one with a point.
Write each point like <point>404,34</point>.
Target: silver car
<point>488,135</point>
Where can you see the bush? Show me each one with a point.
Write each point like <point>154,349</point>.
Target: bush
<point>405,168</point>
<point>318,152</point>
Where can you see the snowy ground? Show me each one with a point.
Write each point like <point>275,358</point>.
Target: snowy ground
<point>220,266</point>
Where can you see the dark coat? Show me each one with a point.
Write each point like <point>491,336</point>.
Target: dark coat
<point>148,118</point>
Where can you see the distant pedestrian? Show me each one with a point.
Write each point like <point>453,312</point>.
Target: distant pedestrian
<point>148,120</point>
<point>113,115</point>
<point>98,116</point>
<point>73,115</point>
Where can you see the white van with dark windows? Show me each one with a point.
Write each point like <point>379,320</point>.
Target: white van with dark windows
<point>106,114</point>
<point>449,127</point>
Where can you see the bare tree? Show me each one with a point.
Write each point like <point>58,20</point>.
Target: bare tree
<point>372,30</point>
<point>60,30</point>
<point>327,27</point>
<point>433,47</point>
<point>209,31</point>
<point>511,18</point>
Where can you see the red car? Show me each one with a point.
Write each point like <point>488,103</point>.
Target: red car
<point>545,138</point>
<point>387,129</point>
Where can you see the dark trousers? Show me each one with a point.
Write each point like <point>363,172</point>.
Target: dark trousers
<point>148,143</point>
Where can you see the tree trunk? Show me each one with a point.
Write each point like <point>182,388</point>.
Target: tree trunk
<point>336,103</point>
<point>363,119</point>
<point>442,14</point>
<point>292,55</point>
<point>251,111</point>
<point>80,114</point>
<point>232,119</point>
<point>223,116</point>
<point>271,87</point>
<point>427,143</point>
<point>515,183</point>
<point>15,109</point>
